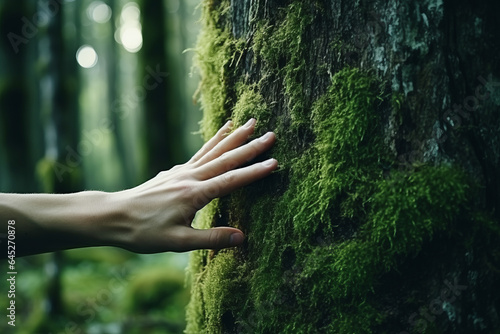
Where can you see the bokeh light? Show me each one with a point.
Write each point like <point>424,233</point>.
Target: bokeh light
<point>131,38</point>
<point>129,34</point>
<point>86,56</point>
<point>99,12</point>
<point>130,12</point>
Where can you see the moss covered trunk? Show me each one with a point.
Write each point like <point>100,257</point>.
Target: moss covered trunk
<point>384,216</point>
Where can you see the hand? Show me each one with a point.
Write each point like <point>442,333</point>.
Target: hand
<point>160,211</point>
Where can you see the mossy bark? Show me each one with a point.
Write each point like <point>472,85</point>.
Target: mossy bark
<point>384,216</point>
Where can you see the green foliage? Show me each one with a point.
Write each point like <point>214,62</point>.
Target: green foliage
<point>156,291</point>
<point>45,174</point>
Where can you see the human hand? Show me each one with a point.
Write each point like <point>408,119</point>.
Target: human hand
<point>159,212</point>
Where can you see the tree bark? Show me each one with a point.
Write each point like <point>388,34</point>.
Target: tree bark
<point>385,214</point>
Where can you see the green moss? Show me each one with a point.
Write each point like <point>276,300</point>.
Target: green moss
<point>250,103</point>
<point>405,212</point>
<point>339,280</point>
<point>204,219</point>
<point>344,156</point>
<point>409,209</point>
<point>324,229</point>
<point>397,101</point>
<point>220,289</point>
<point>330,180</point>
<point>280,46</point>
<point>338,177</point>
<point>216,53</point>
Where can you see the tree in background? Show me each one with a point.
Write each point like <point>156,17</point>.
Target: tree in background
<point>61,130</point>
<point>15,112</point>
<point>162,114</point>
<point>384,216</point>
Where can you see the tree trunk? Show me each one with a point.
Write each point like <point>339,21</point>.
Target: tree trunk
<point>162,122</point>
<point>113,77</point>
<point>58,93</point>
<point>384,215</point>
<point>18,152</point>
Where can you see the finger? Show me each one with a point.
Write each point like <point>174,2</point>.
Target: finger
<point>232,141</point>
<point>236,157</point>
<point>209,145</point>
<point>224,184</point>
<point>213,238</point>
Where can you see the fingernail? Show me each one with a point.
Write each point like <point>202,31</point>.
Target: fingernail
<point>229,124</point>
<point>236,239</point>
<point>250,122</point>
<point>269,162</point>
<point>266,136</point>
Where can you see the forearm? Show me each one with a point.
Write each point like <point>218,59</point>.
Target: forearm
<point>154,216</point>
<point>50,222</point>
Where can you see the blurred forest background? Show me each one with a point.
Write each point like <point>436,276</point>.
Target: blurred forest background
<point>96,95</point>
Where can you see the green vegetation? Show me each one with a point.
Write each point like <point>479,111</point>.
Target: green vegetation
<point>282,48</point>
<point>318,247</point>
<point>250,103</point>
<point>215,54</point>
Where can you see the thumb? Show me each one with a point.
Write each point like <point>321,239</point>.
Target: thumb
<point>214,238</point>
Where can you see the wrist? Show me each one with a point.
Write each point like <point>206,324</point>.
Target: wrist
<point>83,219</point>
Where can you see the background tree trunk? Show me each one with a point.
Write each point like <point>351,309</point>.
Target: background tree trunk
<point>72,127</point>
<point>162,116</point>
<point>384,215</point>
<point>17,152</point>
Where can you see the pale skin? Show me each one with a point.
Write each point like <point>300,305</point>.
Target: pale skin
<point>153,217</point>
